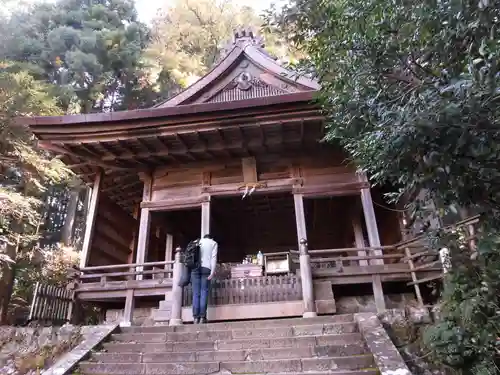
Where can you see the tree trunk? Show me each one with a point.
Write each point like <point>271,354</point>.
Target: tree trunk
<point>9,274</point>
<point>69,222</point>
<point>7,282</point>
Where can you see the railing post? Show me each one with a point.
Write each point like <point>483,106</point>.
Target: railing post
<point>176,314</point>
<point>128,311</point>
<point>307,281</point>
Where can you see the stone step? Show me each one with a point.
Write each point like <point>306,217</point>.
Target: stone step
<point>237,344</point>
<point>290,342</point>
<point>272,332</point>
<point>333,372</point>
<point>358,362</point>
<point>160,317</point>
<point>232,355</point>
<point>345,318</point>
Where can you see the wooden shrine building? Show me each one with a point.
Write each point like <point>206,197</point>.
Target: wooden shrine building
<point>237,154</point>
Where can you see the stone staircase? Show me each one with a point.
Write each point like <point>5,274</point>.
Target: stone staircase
<point>322,345</point>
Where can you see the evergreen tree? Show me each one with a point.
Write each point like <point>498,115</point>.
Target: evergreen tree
<point>412,91</point>
<point>25,174</point>
<point>91,49</point>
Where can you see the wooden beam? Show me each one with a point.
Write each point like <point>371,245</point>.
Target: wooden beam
<point>175,204</point>
<point>91,219</point>
<point>147,191</point>
<point>249,166</point>
<point>179,139</point>
<point>330,189</point>
<point>122,186</point>
<point>90,159</point>
<point>243,141</point>
<point>89,134</point>
<point>281,185</point>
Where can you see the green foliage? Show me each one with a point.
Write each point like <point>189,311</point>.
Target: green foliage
<point>189,35</point>
<point>411,90</point>
<point>92,50</point>
<point>467,337</point>
<point>26,172</point>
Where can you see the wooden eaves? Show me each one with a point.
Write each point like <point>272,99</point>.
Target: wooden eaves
<point>126,143</point>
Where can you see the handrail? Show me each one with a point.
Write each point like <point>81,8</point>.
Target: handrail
<point>350,249</point>
<point>128,265</point>
<point>125,273</point>
<point>367,257</point>
<point>278,253</point>
<point>471,220</point>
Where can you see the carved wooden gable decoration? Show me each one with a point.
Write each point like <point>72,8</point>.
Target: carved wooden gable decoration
<point>244,71</point>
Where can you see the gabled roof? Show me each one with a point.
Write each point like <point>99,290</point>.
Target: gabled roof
<point>247,103</point>
<point>245,71</point>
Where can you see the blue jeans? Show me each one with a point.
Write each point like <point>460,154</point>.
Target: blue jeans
<point>201,288</point>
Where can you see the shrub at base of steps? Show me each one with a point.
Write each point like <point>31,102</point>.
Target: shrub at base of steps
<point>407,335</point>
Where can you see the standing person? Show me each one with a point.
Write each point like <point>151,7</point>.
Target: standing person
<point>201,277</point>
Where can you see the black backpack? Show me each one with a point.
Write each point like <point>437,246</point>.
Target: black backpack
<point>192,255</point>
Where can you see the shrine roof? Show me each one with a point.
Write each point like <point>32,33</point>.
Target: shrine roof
<point>245,70</point>
<point>247,104</point>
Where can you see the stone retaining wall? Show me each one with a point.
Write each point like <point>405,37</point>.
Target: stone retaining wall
<point>23,350</point>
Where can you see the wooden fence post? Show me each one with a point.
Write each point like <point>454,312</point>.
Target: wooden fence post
<point>176,314</point>
<point>307,281</point>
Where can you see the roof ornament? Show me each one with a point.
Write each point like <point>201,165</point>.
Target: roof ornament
<point>242,37</point>
<point>244,81</point>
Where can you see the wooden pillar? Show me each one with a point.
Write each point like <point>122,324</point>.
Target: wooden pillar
<point>144,226</point>
<point>143,239</point>
<point>169,247</point>
<point>359,238</point>
<point>91,218</point>
<point>306,281</point>
<point>176,311</point>
<point>374,239</point>
<point>205,218</point>
<point>133,243</point>
<point>300,218</point>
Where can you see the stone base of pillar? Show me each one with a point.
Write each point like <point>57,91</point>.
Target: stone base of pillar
<point>175,322</point>
<point>309,314</point>
<point>125,324</point>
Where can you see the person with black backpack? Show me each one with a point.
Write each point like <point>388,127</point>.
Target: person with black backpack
<point>202,272</point>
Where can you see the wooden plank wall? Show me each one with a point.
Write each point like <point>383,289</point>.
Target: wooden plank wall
<point>114,232</point>
<point>317,171</point>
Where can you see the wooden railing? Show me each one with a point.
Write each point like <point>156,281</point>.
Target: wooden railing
<point>122,272</point>
<point>338,257</point>
<point>251,290</point>
<point>420,257</point>
<point>51,304</point>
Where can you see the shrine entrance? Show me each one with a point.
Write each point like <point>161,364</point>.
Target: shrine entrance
<point>259,222</point>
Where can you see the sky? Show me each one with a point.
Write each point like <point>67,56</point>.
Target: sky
<point>147,8</point>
